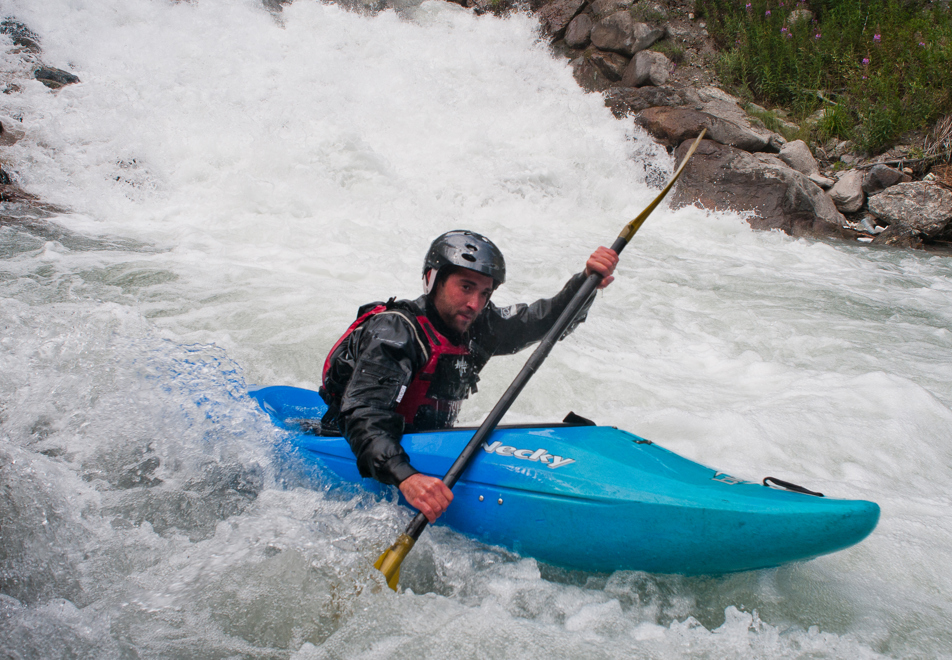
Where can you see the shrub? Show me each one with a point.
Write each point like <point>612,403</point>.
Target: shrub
<point>881,67</point>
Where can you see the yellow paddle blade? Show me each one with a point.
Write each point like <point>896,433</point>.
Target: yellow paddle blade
<point>635,224</point>
<point>389,562</point>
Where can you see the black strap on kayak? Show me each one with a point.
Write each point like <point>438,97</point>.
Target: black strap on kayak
<point>773,482</point>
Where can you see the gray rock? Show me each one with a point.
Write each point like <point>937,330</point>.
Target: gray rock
<point>671,126</point>
<point>588,76</point>
<point>847,193</point>
<point>621,34</point>
<point>556,16</point>
<point>579,30</point>
<point>920,205</point>
<point>900,236</point>
<point>630,100</point>
<point>22,36</point>
<point>647,68</point>
<point>603,8</point>
<point>54,78</point>
<point>797,155</point>
<point>881,177</point>
<point>611,65</point>
<point>719,103</point>
<point>778,196</point>
<point>11,131</point>
<point>275,6</point>
<point>798,15</point>
<point>822,181</point>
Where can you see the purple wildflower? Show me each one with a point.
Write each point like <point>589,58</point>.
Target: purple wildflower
<point>922,43</point>
<point>768,13</point>
<point>865,61</point>
<point>818,35</point>
<point>876,38</point>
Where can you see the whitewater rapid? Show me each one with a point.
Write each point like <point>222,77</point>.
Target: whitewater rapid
<point>239,182</point>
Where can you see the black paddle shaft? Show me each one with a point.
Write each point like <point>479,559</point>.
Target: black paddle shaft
<point>532,365</point>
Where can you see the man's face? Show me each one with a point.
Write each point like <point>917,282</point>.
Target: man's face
<point>461,297</point>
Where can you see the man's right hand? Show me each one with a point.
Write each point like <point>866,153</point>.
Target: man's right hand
<point>428,495</point>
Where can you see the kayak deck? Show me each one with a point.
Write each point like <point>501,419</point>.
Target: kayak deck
<point>597,498</point>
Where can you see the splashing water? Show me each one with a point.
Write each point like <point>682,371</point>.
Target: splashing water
<point>239,182</point>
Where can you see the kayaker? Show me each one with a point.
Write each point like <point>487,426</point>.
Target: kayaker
<point>407,365</point>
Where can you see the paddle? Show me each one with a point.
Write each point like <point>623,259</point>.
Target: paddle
<point>389,562</point>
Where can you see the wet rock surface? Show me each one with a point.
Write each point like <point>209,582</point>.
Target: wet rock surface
<point>922,206</point>
<point>776,196</point>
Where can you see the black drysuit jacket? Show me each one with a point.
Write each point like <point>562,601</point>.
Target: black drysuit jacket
<point>383,354</point>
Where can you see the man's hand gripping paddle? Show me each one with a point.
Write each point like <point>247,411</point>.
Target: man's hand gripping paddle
<point>389,562</point>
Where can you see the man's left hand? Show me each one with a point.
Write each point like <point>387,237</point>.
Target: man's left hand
<point>603,262</point>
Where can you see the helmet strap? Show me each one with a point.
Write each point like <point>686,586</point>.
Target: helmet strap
<point>429,280</point>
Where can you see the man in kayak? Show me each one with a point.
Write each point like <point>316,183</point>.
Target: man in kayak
<point>407,365</point>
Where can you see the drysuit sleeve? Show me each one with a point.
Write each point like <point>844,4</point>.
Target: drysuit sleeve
<point>386,355</point>
<point>511,329</point>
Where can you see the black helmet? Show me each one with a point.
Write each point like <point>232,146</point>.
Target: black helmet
<point>465,249</point>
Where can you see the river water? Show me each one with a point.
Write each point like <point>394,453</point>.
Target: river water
<point>238,183</point>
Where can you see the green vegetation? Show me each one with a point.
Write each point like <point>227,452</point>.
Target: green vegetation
<point>877,68</point>
<point>670,50</point>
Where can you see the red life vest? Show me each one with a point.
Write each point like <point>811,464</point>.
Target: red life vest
<point>433,398</point>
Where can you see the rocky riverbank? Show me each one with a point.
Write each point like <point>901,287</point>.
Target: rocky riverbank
<point>654,62</point>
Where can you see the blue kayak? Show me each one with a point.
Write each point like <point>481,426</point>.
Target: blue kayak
<point>595,498</point>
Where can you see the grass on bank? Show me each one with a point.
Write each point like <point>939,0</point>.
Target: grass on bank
<point>878,68</point>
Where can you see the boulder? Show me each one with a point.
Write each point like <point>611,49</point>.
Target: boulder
<point>920,205</point>
<point>719,103</point>
<point>588,76</point>
<point>611,65</point>
<point>557,15</point>
<point>900,236</point>
<point>671,126</point>
<point>10,131</point>
<point>630,100</point>
<point>54,78</point>
<point>579,30</point>
<point>847,193</point>
<point>720,177</point>
<point>881,177</point>
<point>603,8</point>
<point>822,181</point>
<point>800,15</point>
<point>621,34</point>
<point>647,68</point>
<point>797,155</point>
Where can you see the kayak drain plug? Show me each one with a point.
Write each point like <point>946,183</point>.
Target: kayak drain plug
<point>500,500</point>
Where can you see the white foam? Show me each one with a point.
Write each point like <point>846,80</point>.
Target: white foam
<point>245,182</point>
